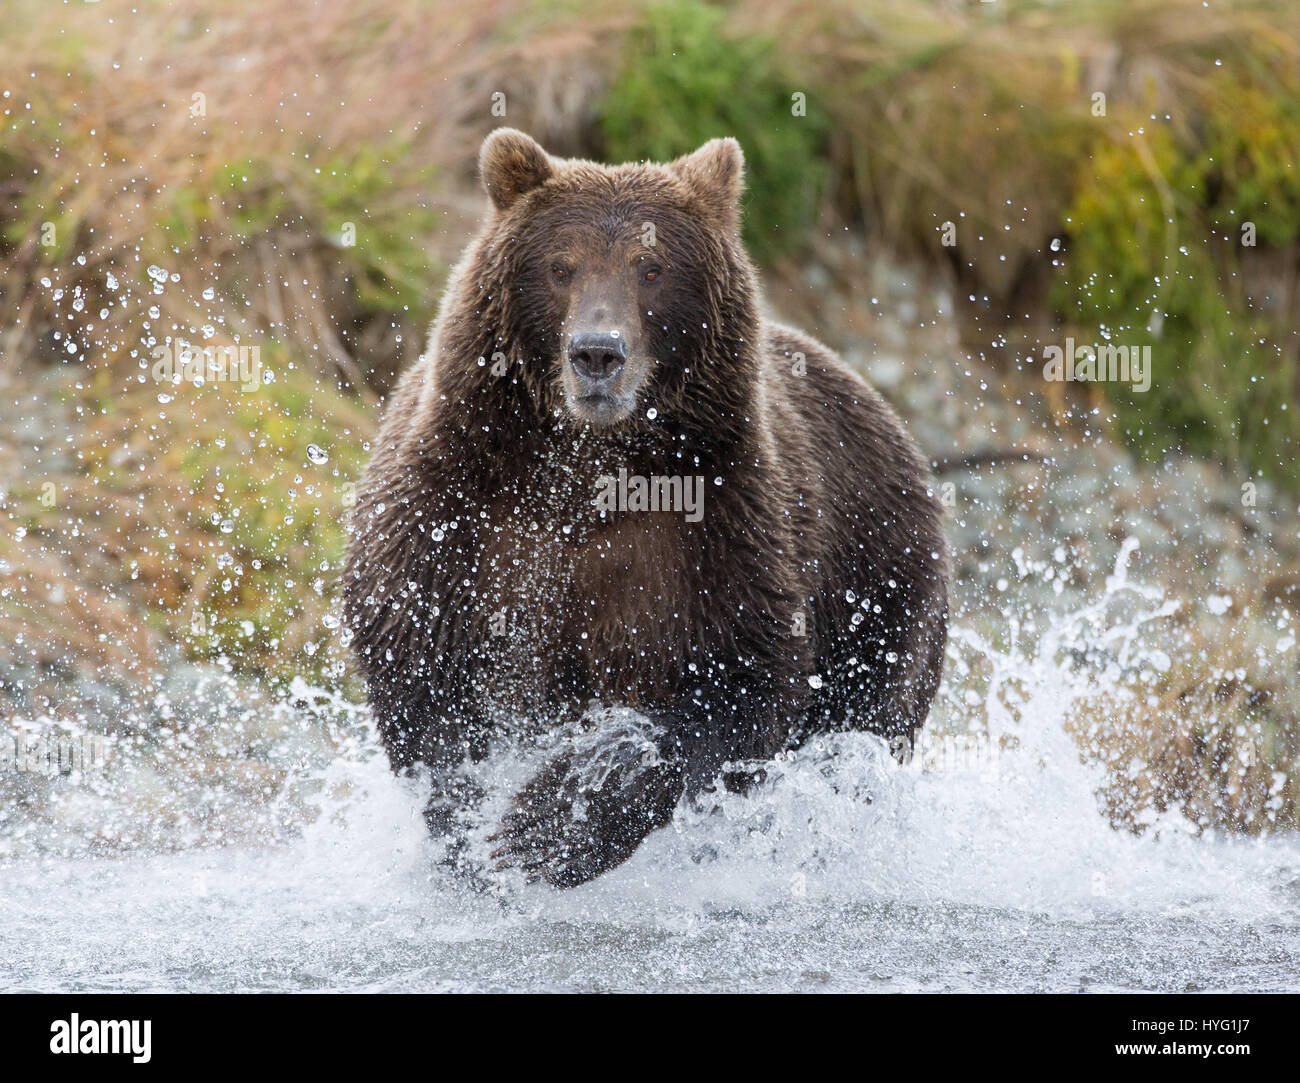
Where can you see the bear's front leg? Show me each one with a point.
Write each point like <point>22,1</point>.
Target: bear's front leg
<point>587,810</point>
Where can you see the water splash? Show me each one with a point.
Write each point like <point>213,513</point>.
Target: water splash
<point>844,870</point>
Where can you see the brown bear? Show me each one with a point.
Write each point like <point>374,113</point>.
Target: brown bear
<point>612,482</point>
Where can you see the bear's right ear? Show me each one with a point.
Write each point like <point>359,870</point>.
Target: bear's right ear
<point>511,164</point>
<point>716,172</point>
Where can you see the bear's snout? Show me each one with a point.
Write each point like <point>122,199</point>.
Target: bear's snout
<point>597,359</point>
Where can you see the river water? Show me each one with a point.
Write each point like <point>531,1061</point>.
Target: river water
<point>989,869</point>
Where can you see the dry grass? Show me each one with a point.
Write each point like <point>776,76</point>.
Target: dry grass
<point>982,114</point>
<point>312,115</point>
<point>1215,737</point>
<point>978,114</point>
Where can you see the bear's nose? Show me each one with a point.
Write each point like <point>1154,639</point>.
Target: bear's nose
<point>597,356</point>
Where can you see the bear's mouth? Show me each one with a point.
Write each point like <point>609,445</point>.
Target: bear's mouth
<point>602,408</point>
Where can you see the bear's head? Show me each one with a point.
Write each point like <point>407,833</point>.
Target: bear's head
<point>624,290</point>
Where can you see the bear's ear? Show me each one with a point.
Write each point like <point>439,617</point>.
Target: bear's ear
<point>716,173</point>
<point>511,164</point>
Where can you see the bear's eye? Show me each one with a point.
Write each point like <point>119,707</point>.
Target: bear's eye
<point>650,274</point>
<point>560,272</point>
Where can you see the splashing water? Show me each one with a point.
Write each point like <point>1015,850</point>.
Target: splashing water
<point>843,871</point>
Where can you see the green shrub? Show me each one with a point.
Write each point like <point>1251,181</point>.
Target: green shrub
<point>684,81</point>
<point>1156,226</point>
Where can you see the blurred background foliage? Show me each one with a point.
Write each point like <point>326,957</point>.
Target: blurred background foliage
<point>300,179</point>
<point>1127,225</point>
<point>682,81</point>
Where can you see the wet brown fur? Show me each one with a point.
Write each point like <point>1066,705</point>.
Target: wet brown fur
<point>482,463</point>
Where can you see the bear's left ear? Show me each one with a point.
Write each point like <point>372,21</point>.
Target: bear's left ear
<point>512,163</point>
<point>716,172</point>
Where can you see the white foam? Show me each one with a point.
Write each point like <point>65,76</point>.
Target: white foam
<point>842,857</point>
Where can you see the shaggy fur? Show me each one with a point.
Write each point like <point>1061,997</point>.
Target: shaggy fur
<point>485,588</point>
